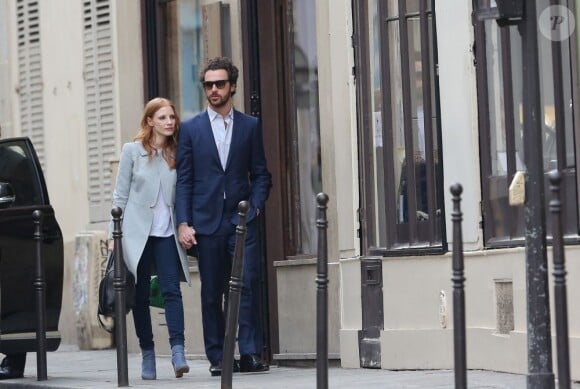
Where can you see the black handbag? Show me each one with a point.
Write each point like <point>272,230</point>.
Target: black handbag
<point>107,294</point>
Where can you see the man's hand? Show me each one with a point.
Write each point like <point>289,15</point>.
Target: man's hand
<point>186,236</point>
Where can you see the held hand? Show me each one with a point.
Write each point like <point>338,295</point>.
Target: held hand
<point>186,236</point>
<point>192,235</point>
<point>111,245</point>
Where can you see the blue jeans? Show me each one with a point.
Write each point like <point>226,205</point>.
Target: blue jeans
<point>159,254</point>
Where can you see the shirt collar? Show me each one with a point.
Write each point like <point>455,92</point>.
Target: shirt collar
<point>213,115</point>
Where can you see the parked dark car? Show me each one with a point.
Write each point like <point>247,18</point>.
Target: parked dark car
<point>22,191</point>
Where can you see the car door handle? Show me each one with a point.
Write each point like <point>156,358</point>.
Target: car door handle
<point>7,199</point>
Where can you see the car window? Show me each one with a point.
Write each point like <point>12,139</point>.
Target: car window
<point>17,169</point>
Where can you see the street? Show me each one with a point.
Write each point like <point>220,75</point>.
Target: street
<point>70,368</point>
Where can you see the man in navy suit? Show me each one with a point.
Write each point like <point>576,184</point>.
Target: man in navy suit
<point>220,162</point>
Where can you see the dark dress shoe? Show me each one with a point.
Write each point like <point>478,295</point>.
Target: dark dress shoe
<point>12,366</point>
<point>216,370</point>
<point>250,363</point>
<point>8,373</point>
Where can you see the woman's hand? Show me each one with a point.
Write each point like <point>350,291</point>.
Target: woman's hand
<point>186,236</point>
<point>111,245</point>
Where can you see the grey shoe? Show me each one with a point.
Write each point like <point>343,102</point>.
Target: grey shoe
<point>148,369</point>
<point>178,360</point>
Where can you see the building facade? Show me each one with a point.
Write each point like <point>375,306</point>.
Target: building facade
<point>382,104</point>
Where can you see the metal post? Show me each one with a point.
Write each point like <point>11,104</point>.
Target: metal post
<point>458,280</point>
<point>119,282</point>
<point>322,295</point>
<point>540,374</point>
<point>559,272</point>
<point>40,288</point>
<point>233,309</point>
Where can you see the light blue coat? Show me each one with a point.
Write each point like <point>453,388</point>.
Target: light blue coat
<point>136,190</point>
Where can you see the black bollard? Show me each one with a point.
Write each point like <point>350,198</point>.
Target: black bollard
<point>559,274</point>
<point>119,282</point>
<point>233,306</point>
<point>40,288</point>
<point>322,295</point>
<point>458,292</point>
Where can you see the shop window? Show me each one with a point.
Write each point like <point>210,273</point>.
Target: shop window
<point>186,91</point>
<point>286,98</point>
<point>399,127</point>
<point>500,102</point>
<point>174,51</point>
<point>304,176</point>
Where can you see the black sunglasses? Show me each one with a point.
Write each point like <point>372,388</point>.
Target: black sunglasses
<point>220,84</point>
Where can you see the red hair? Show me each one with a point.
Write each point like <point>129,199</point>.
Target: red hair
<point>145,134</point>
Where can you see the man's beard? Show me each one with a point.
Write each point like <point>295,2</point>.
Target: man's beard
<point>220,103</point>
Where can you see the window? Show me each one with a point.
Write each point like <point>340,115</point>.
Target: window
<point>189,96</point>
<point>299,133</point>
<point>17,169</point>
<point>305,137</point>
<point>399,128</point>
<point>500,102</point>
<point>174,49</point>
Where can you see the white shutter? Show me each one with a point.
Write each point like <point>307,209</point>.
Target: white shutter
<point>99,100</point>
<point>30,75</point>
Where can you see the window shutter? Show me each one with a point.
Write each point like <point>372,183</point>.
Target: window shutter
<point>99,100</point>
<point>30,75</point>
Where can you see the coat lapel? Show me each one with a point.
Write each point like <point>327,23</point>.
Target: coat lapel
<point>237,129</point>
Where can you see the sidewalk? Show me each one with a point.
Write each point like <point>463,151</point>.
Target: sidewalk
<point>71,368</point>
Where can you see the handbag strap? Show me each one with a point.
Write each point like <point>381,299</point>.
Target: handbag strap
<point>110,329</point>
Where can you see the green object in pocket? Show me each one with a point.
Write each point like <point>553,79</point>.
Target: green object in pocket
<point>155,296</point>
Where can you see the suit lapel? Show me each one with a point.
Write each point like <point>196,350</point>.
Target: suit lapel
<point>237,129</point>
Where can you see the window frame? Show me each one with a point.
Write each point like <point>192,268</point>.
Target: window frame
<point>29,179</point>
<point>410,238</point>
<point>492,185</point>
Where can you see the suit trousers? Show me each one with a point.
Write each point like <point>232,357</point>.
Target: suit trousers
<point>215,262</point>
<point>160,253</point>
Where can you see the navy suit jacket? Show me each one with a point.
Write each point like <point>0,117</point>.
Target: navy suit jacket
<point>202,182</point>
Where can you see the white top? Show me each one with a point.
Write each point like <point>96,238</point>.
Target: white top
<point>161,226</point>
